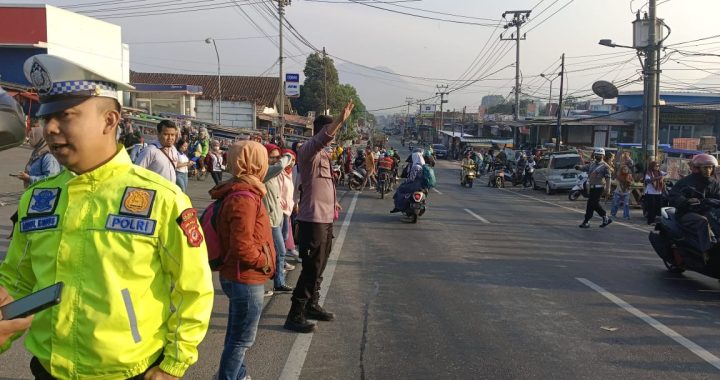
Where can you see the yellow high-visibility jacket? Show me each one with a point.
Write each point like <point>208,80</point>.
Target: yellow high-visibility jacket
<point>128,246</point>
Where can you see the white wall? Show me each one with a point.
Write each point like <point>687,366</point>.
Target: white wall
<point>234,114</point>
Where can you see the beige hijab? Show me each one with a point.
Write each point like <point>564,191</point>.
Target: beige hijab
<point>248,163</point>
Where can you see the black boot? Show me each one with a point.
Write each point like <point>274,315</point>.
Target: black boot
<point>296,318</point>
<point>313,310</point>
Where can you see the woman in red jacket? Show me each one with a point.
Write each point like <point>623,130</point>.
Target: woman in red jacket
<point>245,236</point>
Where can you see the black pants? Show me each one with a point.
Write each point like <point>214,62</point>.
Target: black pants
<point>593,204</point>
<point>315,246</point>
<point>653,202</point>
<point>41,373</point>
<point>216,176</point>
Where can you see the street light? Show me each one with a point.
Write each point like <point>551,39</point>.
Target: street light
<point>219,99</point>
<point>549,80</point>
<point>609,43</point>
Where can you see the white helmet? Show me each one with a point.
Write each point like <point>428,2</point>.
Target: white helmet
<point>599,151</point>
<point>12,122</point>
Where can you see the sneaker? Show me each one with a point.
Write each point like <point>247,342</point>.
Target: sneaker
<point>606,223</point>
<point>268,293</point>
<point>292,253</point>
<point>289,267</point>
<point>371,188</point>
<point>584,225</point>
<point>283,289</point>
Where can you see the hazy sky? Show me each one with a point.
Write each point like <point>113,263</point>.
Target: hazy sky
<point>418,47</point>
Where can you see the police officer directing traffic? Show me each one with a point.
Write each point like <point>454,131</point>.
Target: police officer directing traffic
<point>126,243</point>
<point>599,181</point>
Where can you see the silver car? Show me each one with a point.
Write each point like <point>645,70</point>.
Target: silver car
<point>557,172</point>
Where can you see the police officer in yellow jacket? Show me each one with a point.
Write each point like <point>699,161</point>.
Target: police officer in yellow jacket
<point>126,242</point>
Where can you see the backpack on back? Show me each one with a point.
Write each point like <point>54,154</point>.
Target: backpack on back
<point>208,222</point>
<point>428,179</point>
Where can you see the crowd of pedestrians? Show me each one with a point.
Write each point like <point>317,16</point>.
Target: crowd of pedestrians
<point>138,290</point>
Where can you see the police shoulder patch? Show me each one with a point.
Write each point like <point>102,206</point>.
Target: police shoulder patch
<point>43,201</point>
<point>39,223</point>
<point>137,202</point>
<point>190,225</point>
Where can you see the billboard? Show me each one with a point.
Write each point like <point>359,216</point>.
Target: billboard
<point>427,109</point>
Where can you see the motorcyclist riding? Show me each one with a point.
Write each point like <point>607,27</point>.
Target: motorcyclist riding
<point>468,164</point>
<point>412,183</point>
<point>696,199</point>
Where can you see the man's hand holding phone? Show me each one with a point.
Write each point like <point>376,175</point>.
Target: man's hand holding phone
<point>8,328</point>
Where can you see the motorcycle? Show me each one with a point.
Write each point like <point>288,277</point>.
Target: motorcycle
<point>580,188</point>
<point>337,174</point>
<point>668,241</point>
<point>355,179</point>
<point>467,175</point>
<point>529,181</point>
<point>384,183</point>
<point>417,205</point>
<point>499,176</point>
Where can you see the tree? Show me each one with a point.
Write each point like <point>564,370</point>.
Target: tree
<point>312,92</point>
<point>506,108</point>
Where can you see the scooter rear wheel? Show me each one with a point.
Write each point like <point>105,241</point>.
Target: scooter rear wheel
<point>573,195</point>
<point>672,268</point>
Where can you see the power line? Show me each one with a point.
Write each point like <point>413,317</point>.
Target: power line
<point>696,40</point>
<point>420,16</point>
<point>172,11</point>
<point>198,41</point>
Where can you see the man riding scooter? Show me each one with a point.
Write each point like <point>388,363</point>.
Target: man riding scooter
<point>696,199</point>
<point>467,174</point>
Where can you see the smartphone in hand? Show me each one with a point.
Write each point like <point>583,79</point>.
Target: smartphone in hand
<point>33,303</point>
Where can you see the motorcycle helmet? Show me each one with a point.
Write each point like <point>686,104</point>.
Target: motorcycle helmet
<point>599,152</point>
<point>704,160</point>
<point>12,122</point>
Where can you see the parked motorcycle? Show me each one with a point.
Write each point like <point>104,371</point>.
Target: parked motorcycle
<point>417,205</point>
<point>668,241</point>
<point>467,175</point>
<point>580,188</point>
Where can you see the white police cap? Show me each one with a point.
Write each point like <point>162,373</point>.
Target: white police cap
<point>62,84</point>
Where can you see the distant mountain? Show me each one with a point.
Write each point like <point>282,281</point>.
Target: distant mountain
<point>377,89</point>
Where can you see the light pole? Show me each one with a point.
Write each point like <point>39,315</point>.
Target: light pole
<point>549,97</point>
<point>219,98</point>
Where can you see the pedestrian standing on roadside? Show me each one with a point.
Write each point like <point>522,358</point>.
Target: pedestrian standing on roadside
<point>161,156</point>
<point>125,242</point>
<point>287,204</point>
<point>41,164</point>
<point>245,235</point>
<point>181,171</point>
<point>272,201</point>
<point>599,181</point>
<point>654,190</point>
<point>623,188</point>
<point>317,210</point>
<point>214,162</point>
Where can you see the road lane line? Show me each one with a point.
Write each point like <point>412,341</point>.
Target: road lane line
<point>574,210</point>
<point>437,191</point>
<point>476,216</point>
<point>670,333</point>
<point>298,352</point>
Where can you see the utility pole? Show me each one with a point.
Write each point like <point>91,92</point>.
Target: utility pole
<point>442,91</point>
<point>325,110</point>
<point>407,115</point>
<point>651,64</point>
<point>558,127</point>
<point>281,112</point>
<point>519,18</point>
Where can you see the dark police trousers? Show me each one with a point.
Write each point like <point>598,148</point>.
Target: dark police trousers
<point>41,373</point>
<point>315,246</point>
<point>593,203</point>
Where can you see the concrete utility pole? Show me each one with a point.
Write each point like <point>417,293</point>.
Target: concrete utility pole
<point>281,112</point>
<point>407,115</point>
<point>651,65</point>
<point>219,98</point>
<point>325,111</point>
<point>558,128</point>
<point>442,91</point>
<point>519,18</point>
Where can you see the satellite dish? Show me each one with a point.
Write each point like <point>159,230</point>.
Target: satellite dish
<point>605,89</point>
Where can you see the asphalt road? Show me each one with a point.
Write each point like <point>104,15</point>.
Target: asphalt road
<point>489,284</point>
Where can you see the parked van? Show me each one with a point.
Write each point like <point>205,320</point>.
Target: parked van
<point>556,171</point>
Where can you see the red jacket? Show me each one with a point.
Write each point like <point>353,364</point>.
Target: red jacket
<point>244,230</point>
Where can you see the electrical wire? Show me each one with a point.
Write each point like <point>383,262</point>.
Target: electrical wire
<point>421,16</point>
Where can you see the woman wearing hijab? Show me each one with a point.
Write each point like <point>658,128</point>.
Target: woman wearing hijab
<point>654,190</point>
<point>412,183</point>
<point>42,164</point>
<point>245,235</point>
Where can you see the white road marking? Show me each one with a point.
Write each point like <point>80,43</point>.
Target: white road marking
<point>476,216</point>
<point>575,210</point>
<point>437,191</point>
<point>670,333</point>
<point>298,352</point>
